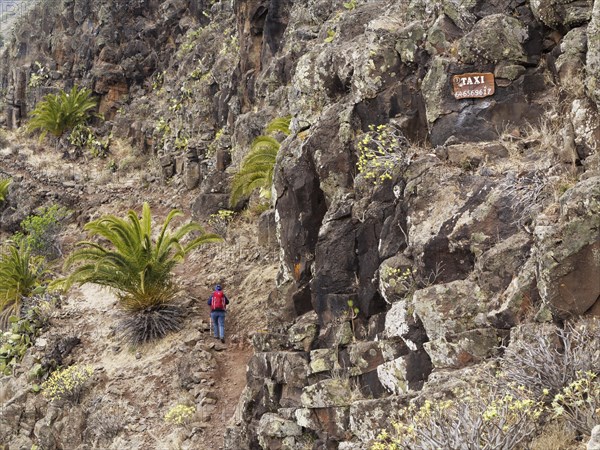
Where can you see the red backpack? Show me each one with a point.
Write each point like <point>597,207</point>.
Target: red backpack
<point>218,301</point>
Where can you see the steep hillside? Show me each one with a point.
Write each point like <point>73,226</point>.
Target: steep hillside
<point>422,235</point>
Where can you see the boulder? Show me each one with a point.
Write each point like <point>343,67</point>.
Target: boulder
<point>336,334</point>
<point>405,373</point>
<point>191,174</point>
<point>409,41</point>
<point>454,317</point>
<point>274,430</point>
<point>570,63</point>
<point>594,442</point>
<point>267,235</point>
<point>496,267</point>
<point>268,342</point>
<point>442,34</point>
<point>304,331</point>
<point>363,357</point>
<point>323,360</point>
<point>333,421</point>
<point>282,367</point>
<point>436,91</point>
<point>593,55</point>
<point>562,13</point>
<point>567,253</point>
<point>586,126</point>
<point>495,38</point>
<point>452,308</point>
<point>463,349</point>
<point>333,392</point>
<point>519,299</point>
<point>369,417</point>
<point>206,204</point>
<point>392,376</point>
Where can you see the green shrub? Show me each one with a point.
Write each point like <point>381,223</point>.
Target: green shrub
<point>20,274</point>
<point>180,414</point>
<point>472,421</point>
<point>67,384</point>
<point>57,113</point>
<point>579,403</point>
<point>138,267</point>
<point>22,333</point>
<point>256,171</point>
<point>550,362</point>
<point>38,76</point>
<point>381,151</point>
<point>220,221</point>
<point>350,5</point>
<point>83,138</point>
<point>4,142</point>
<point>14,343</point>
<point>40,231</point>
<point>561,374</point>
<point>107,421</point>
<point>4,184</point>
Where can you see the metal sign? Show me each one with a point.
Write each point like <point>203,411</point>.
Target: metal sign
<point>473,85</point>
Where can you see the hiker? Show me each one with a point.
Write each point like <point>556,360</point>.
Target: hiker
<point>218,302</point>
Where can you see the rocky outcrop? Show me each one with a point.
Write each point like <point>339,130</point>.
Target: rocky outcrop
<point>568,263</point>
<point>390,285</point>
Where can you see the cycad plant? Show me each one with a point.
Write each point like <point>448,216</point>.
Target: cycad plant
<point>57,113</point>
<point>138,267</point>
<point>4,184</point>
<point>256,171</point>
<point>20,274</point>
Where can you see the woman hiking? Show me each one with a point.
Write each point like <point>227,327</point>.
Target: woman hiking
<point>218,302</point>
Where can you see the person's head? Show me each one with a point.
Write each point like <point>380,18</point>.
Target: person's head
<point>218,287</point>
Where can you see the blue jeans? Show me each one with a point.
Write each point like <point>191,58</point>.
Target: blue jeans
<point>218,321</point>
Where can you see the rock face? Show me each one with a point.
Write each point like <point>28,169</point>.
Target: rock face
<point>384,282</point>
<point>568,253</point>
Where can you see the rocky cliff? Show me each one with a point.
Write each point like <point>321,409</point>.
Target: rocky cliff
<point>488,217</point>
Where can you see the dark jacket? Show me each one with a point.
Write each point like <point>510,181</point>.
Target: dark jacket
<point>224,296</point>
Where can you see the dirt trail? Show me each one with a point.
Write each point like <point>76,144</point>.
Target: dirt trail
<point>141,384</point>
<point>231,377</point>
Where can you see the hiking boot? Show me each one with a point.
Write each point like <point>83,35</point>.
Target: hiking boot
<point>222,340</point>
<point>216,337</point>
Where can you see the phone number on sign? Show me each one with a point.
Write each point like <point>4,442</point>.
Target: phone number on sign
<point>483,92</point>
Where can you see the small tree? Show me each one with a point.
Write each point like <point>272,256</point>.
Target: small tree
<point>4,184</point>
<point>40,231</point>
<point>20,273</point>
<point>138,267</point>
<point>256,171</point>
<point>57,113</point>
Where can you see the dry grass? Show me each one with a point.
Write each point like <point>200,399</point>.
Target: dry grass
<point>556,435</point>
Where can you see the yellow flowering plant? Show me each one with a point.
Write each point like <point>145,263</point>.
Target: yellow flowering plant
<point>180,414</point>
<point>67,384</point>
<point>579,402</point>
<point>484,420</point>
<point>381,151</point>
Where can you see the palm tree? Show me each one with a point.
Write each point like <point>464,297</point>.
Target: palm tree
<point>57,113</point>
<point>20,273</point>
<point>138,267</point>
<point>256,171</point>
<point>4,184</point>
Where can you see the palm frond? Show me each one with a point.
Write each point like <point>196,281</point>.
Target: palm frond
<point>57,113</point>
<point>129,260</point>
<point>20,273</point>
<point>4,184</point>
<point>256,170</point>
<point>279,124</point>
